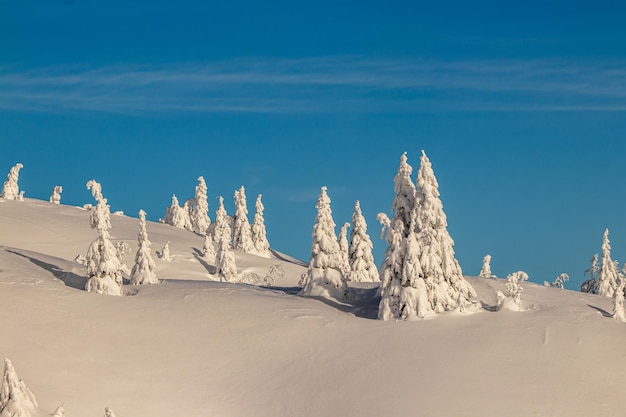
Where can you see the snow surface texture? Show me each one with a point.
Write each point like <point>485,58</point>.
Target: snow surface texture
<point>194,347</point>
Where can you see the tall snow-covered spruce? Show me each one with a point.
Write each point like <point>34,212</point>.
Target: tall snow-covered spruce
<point>360,258</point>
<point>324,276</point>
<point>143,271</point>
<point>242,234</point>
<point>344,249</point>
<point>221,229</point>
<point>10,189</point>
<point>200,213</point>
<point>419,266</point>
<point>259,234</point>
<point>104,269</point>
<point>607,273</point>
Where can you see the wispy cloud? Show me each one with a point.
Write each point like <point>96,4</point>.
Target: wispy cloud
<point>321,84</point>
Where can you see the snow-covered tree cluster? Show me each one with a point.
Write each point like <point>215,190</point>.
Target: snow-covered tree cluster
<point>178,216</point>
<point>325,276</point>
<point>10,189</point>
<point>242,233</point>
<point>419,273</point>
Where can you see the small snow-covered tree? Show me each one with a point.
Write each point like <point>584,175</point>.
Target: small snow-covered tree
<point>16,400</point>
<point>221,230</point>
<point>242,235</point>
<point>559,282</point>
<point>104,269</point>
<point>259,235</point>
<point>143,271</point>
<point>55,197</point>
<point>165,252</point>
<point>324,276</point>
<point>108,412</point>
<point>59,412</point>
<point>361,260</point>
<point>200,214</point>
<point>344,250</point>
<point>226,268</point>
<point>485,271</point>
<point>591,285</point>
<point>10,189</point>
<point>607,273</point>
<point>514,288</point>
<point>208,248</point>
<point>618,301</point>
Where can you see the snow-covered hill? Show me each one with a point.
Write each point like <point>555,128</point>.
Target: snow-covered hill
<point>191,346</point>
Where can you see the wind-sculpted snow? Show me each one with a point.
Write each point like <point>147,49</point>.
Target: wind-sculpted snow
<point>192,346</point>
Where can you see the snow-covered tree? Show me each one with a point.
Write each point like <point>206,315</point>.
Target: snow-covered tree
<point>178,216</point>
<point>607,273</point>
<point>55,197</point>
<point>514,288</point>
<point>221,230</point>
<point>442,272</point>
<point>104,269</point>
<point>10,189</point>
<point>16,400</point>
<point>208,248</point>
<point>165,252</point>
<point>558,281</point>
<point>200,214</point>
<point>59,412</point>
<point>226,268</point>
<point>324,276</point>
<point>360,259</point>
<point>418,211</point>
<point>591,285</point>
<point>398,228</point>
<point>344,250</point>
<point>259,235</point>
<point>242,234</point>
<point>143,271</point>
<point>108,412</point>
<point>618,301</point>
<point>485,271</point>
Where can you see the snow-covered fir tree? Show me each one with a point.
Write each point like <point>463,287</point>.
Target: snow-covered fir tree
<point>143,271</point>
<point>398,228</point>
<point>324,276</point>
<point>259,234</point>
<point>55,197</point>
<point>441,270</point>
<point>16,400</point>
<point>607,273</point>
<point>10,189</point>
<point>360,258</point>
<point>178,216</point>
<point>226,268</point>
<point>432,266</point>
<point>104,269</point>
<point>165,252</point>
<point>200,213</point>
<point>208,248</point>
<point>242,234</point>
<point>559,282</point>
<point>485,271</point>
<point>221,229</point>
<point>618,301</point>
<point>344,250</point>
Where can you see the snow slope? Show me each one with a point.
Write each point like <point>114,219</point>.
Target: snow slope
<point>195,347</point>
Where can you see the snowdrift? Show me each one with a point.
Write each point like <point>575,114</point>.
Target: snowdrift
<point>191,346</point>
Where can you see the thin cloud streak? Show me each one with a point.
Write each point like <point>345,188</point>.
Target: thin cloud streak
<point>318,85</point>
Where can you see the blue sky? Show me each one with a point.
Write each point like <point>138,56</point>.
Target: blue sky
<point>519,105</point>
